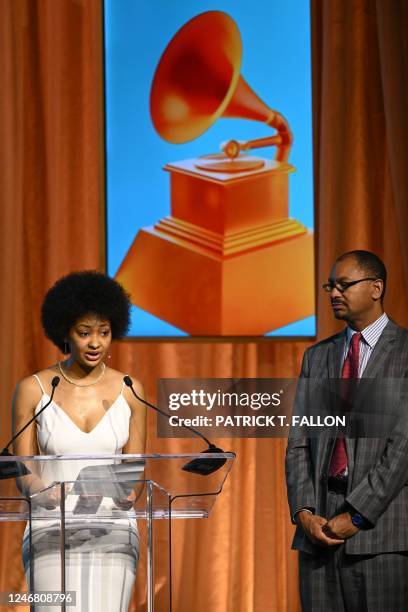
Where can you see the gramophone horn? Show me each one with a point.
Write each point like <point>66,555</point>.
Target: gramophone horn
<point>198,80</point>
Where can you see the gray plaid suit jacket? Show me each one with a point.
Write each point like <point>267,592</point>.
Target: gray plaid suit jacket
<point>378,467</point>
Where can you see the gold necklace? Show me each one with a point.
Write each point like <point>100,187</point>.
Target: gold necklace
<point>72,382</point>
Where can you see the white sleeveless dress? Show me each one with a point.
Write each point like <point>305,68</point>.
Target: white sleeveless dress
<point>101,558</point>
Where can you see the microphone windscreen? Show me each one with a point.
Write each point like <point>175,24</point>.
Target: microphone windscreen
<point>128,381</point>
<point>55,381</point>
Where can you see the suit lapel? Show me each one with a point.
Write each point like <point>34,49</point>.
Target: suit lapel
<point>335,353</point>
<point>375,365</point>
<point>334,365</point>
<point>377,358</point>
<point>381,350</point>
<point>335,356</point>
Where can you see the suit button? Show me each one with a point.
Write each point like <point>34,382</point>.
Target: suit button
<point>323,476</point>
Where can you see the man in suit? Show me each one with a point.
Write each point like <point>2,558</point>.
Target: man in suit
<point>349,497</point>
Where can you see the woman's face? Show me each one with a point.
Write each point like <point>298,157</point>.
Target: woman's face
<point>89,340</point>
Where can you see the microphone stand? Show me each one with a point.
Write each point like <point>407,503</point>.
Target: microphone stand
<point>203,466</point>
<point>13,469</point>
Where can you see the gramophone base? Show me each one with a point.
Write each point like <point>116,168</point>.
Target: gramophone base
<point>207,294</point>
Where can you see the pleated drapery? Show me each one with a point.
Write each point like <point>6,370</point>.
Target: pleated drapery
<point>51,211</point>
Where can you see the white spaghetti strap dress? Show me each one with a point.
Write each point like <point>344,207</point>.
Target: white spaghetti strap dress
<point>101,558</point>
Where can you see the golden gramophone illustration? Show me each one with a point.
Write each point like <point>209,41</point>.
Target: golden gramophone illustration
<point>228,260</point>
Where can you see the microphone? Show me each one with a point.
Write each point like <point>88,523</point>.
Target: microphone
<point>203,466</point>
<point>12,469</point>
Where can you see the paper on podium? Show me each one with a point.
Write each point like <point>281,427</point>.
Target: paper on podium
<point>107,480</point>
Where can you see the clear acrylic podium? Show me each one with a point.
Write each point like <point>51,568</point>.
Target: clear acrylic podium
<point>90,497</point>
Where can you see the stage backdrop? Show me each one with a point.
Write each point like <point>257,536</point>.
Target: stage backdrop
<point>51,191</point>
<point>202,243</point>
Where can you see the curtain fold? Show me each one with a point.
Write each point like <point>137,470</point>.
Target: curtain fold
<point>359,205</point>
<point>393,45</point>
<point>51,190</point>
<point>51,180</point>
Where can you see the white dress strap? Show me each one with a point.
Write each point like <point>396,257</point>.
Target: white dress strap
<point>39,382</point>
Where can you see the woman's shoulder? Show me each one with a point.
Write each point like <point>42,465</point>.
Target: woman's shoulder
<point>33,386</point>
<point>118,376</point>
<point>44,377</point>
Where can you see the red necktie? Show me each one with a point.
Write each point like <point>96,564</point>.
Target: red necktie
<point>350,370</point>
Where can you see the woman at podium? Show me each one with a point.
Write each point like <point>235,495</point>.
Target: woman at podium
<point>92,413</point>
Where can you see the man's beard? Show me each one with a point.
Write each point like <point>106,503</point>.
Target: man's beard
<point>341,316</point>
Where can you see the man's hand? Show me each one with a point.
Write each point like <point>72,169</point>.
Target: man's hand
<point>340,526</point>
<point>312,525</point>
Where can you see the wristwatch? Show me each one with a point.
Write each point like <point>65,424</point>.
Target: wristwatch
<point>358,520</point>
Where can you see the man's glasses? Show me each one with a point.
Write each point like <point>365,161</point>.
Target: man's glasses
<point>342,286</point>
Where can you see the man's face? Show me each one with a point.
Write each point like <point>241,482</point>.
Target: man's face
<point>358,301</point>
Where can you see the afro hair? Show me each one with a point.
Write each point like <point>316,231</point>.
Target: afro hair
<point>82,293</point>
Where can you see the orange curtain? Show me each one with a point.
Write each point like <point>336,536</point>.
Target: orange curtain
<point>356,198</point>
<point>51,190</point>
<point>51,184</point>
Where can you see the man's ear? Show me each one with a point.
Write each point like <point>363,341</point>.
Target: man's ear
<point>378,288</point>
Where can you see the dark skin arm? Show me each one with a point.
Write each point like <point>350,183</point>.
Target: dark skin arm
<point>137,435</point>
<point>26,397</point>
